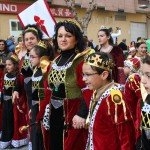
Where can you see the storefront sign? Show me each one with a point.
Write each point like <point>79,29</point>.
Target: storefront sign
<point>16,8</point>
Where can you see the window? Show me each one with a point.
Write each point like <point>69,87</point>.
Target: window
<point>15,28</point>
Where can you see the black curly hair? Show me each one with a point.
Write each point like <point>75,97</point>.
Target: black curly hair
<point>73,29</point>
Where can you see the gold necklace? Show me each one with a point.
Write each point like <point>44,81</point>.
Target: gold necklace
<point>66,61</point>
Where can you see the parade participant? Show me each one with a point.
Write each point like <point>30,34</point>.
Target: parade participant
<point>67,88</point>
<point>132,85</point>
<point>144,107</point>
<point>12,117</point>
<point>38,54</point>
<point>141,49</point>
<point>20,49</point>
<point>132,52</point>
<point>106,42</point>
<point>4,54</point>
<point>32,34</point>
<point>109,121</point>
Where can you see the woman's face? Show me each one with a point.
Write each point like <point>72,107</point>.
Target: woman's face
<point>9,66</point>
<point>66,40</point>
<point>34,58</point>
<point>145,79</point>
<point>103,38</point>
<point>142,49</point>
<point>30,40</point>
<point>2,46</point>
<point>92,79</point>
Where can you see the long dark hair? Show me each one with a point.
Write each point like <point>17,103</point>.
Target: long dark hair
<point>73,29</point>
<point>107,32</point>
<point>5,48</point>
<point>16,66</point>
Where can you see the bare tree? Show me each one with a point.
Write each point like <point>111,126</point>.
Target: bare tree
<point>86,19</point>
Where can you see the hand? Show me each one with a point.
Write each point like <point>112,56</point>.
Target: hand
<point>15,96</point>
<point>78,122</point>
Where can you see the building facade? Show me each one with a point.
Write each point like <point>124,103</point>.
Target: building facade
<point>126,14</point>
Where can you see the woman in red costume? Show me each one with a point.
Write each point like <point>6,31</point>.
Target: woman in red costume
<point>67,90</point>
<point>106,42</point>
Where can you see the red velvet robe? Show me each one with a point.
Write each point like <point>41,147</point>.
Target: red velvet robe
<point>133,93</point>
<point>111,126</point>
<point>118,74</point>
<point>20,139</point>
<point>76,138</point>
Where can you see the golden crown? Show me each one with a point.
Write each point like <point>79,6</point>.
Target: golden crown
<point>32,28</point>
<point>42,44</point>
<point>15,57</point>
<point>99,61</point>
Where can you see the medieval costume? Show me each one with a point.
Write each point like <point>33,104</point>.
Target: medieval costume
<point>132,85</point>
<point>11,117</point>
<point>38,95</point>
<point>110,122</point>
<point>118,58</point>
<point>3,56</point>
<point>67,91</point>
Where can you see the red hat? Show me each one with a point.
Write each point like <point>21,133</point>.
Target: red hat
<point>133,64</point>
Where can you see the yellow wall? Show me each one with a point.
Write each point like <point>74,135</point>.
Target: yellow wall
<point>4,25</point>
<point>99,18</point>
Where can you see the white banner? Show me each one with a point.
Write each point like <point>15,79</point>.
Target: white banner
<point>39,13</point>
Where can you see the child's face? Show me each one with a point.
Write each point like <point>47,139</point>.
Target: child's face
<point>126,70</point>
<point>91,78</point>
<point>145,79</point>
<point>9,66</point>
<point>34,58</point>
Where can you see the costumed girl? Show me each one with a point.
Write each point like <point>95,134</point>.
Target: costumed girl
<point>13,114</point>
<point>32,34</point>
<point>106,42</point>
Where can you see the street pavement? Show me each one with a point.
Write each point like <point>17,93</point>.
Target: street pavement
<point>22,148</point>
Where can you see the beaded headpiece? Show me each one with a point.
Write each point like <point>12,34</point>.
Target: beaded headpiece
<point>32,28</point>
<point>73,22</point>
<point>42,44</point>
<point>14,57</point>
<point>97,60</point>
